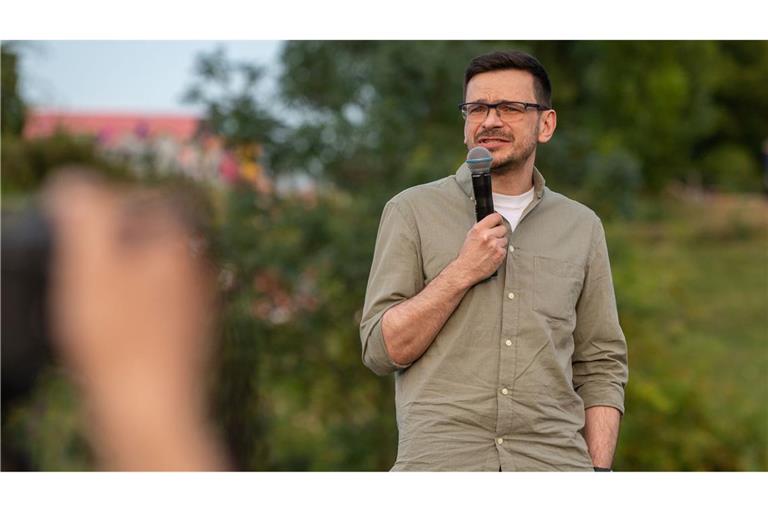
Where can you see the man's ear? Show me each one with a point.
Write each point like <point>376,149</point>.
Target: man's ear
<point>547,126</point>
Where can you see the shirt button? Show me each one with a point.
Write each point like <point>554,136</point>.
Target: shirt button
<point>511,249</point>
<point>505,391</point>
<point>508,343</point>
<point>499,440</point>
<point>511,295</point>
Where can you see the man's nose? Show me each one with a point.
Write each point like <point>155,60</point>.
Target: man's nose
<point>492,120</point>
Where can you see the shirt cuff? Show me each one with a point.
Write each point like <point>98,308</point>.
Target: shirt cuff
<point>604,393</point>
<point>376,356</point>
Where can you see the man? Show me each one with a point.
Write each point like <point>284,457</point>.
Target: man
<point>522,371</point>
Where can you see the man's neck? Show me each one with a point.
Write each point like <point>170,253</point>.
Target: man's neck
<point>513,181</point>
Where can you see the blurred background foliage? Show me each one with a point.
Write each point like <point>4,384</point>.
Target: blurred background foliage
<point>662,139</point>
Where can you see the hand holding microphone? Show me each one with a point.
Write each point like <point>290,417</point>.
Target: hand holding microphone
<point>485,247</point>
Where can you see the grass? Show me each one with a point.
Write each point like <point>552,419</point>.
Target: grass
<point>692,286</point>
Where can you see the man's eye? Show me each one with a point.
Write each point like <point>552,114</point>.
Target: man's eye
<point>507,108</point>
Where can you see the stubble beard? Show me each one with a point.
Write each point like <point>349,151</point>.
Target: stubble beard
<point>514,162</point>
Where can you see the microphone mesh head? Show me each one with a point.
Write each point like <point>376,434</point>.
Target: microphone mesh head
<point>479,159</point>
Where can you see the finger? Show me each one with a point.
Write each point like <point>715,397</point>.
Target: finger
<point>147,217</point>
<point>83,217</point>
<point>490,221</point>
<point>498,231</point>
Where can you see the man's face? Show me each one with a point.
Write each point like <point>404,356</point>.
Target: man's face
<point>512,141</point>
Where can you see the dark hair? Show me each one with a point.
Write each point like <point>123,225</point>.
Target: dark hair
<point>512,60</point>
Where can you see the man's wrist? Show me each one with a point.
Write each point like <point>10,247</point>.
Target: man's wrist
<point>601,469</point>
<point>455,277</point>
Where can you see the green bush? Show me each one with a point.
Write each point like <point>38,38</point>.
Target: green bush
<point>732,168</point>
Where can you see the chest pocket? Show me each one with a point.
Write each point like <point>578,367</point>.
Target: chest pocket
<point>557,285</point>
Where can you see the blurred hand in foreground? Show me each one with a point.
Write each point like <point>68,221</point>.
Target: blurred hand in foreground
<point>132,308</point>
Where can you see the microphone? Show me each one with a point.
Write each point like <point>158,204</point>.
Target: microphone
<point>479,162</point>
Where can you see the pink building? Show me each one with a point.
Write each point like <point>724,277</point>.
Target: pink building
<point>173,143</point>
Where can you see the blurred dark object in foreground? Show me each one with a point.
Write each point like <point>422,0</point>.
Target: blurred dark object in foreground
<point>26,250</point>
<point>26,346</point>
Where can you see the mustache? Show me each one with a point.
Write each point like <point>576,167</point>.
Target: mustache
<point>494,134</point>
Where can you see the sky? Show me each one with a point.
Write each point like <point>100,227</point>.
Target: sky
<point>132,76</point>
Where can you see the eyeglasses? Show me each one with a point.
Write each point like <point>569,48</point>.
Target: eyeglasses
<point>506,110</point>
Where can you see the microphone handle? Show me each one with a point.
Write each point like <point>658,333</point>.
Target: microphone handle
<point>483,198</point>
<point>481,183</point>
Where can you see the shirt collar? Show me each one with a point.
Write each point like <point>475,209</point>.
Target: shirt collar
<point>464,179</point>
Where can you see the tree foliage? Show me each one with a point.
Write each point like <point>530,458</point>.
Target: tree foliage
<point>12,106</point>
<point>382,115</point>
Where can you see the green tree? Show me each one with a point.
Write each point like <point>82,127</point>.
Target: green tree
<point>225,89</point>
<point>12,105</point>
<point>291,392</point>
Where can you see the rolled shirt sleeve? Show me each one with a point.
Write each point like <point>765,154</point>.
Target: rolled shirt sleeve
<point>396,275</point>
<point>600,369</point>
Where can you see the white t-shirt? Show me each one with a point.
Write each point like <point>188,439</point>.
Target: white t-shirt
<point>511,207</point>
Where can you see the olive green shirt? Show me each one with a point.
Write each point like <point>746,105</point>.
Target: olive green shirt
<point>505,383</point>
